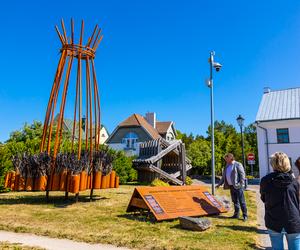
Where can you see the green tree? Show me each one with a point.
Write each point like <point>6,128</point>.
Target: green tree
<point>186,139</point>
<point>199,153</point>
<point>251,144</point>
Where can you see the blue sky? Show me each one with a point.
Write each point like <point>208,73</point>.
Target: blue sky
<point>153,57</point>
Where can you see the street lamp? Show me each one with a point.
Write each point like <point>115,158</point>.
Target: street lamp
<point>240,120</point>
<point>217,66</point>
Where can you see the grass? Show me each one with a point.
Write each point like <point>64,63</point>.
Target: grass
<point>16,246</point>
<point>105,221</point>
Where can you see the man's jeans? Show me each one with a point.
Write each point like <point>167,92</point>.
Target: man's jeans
<point>238,199</point>
<point>277,240</point>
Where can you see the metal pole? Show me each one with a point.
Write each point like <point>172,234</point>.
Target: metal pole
<point>212,125</point>
<point>243,151</point>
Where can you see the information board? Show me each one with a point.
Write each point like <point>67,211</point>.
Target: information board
<point>172,202</point>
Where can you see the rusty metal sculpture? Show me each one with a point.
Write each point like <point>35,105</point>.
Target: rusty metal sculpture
<point>83,53</point>
<point>86,166</point>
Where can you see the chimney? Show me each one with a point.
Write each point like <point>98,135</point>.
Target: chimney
<point>267,90</point>
<point>151,118</point>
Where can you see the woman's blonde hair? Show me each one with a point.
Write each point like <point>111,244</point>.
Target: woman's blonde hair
<point>280,162</point>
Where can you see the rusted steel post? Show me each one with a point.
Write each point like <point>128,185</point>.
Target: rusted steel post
<point>72,31</point>
<point>97,130</point>
<point>62,106</point>
<point>49,106</point>
<point>88,78</point>
<point>53,108</point>
<point>86,111</point>
<point>64,30</point>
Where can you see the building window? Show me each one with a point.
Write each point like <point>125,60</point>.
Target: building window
<point>130,140</point>
<point>282,135</point>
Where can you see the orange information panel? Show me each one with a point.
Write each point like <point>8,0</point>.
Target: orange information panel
<point>172,202</point>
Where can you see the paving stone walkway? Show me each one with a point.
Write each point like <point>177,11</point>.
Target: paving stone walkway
<point>51,243</point>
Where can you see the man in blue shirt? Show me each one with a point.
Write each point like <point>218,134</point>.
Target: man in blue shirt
<point>233,178</point>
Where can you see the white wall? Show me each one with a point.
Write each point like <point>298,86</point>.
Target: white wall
<point>292,149</point>
<point>103,135</point>
<point>170,134</point>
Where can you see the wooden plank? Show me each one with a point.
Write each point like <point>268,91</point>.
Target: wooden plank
<point>165,175</point>
<point>157,157</point>
<point>166,144</point>
<point>138,202</point>
<point>183,162</point>
<point>172,202</point>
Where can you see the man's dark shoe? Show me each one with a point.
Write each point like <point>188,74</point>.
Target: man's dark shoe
<point>245,218</point>
<point>235,216</point>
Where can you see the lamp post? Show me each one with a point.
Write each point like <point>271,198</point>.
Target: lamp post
<point>240,120</point>
<point>217,66</point>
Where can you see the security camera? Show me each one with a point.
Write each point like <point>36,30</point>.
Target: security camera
<point>217,66</point>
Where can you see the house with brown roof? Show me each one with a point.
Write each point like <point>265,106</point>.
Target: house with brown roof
<point>136,129</point>
<point>68,127</point>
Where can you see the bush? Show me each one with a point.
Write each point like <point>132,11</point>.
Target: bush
<point>188,180</point>
<point>123,167</point>
<point>159,183</point>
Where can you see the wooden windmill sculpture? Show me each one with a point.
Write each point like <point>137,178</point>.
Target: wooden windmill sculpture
<point>84,55</point>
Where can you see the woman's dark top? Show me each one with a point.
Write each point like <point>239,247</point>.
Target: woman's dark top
<point>280,193</point>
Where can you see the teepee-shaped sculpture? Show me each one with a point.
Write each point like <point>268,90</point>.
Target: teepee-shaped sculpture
<point>83,166</point>
<point>84,54</point>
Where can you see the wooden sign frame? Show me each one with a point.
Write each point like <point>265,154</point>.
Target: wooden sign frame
<point>168,203</point>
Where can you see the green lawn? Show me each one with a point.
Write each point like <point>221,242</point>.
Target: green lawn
<point>105,221</point>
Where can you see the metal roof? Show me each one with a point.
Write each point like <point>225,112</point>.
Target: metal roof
<point>279,105</point>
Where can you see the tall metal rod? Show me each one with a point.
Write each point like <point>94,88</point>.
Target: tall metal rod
<point>54,105</point>
<point>91,110</point>
<point>80,92</point>
<point>60,36</point>
<point>86,111</point>
<point>95,41</point>
<point>72,31</point>
<point>89,103</point>
<point>64,30</point>
<point>92,37</point>
<point>95,108</point>
<point>212,124</point>
<point>62,106</point>
<point>46,121</point>
<point>243,148</point>
<point>98,42</point>
<point>98,106</point>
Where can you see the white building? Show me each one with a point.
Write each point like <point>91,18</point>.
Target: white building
<point>278,127</point>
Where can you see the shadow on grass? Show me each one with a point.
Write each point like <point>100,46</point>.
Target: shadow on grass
<point>139,216</point>
<point>57,201</point>
<point>244,228</point>
<point>254,246</point>
<point>218,216</point>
